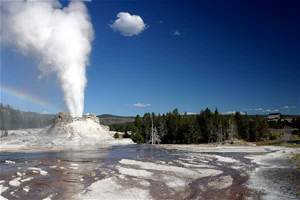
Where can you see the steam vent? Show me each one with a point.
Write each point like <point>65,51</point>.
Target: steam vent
<point>66,118</point>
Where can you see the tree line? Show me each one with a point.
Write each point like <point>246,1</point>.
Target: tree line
<point>11,118</point>
<point>205,127</point>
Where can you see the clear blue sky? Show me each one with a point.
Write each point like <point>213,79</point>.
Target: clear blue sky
<point>233,55</point>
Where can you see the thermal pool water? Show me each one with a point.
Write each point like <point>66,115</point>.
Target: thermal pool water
<point>150,172</point>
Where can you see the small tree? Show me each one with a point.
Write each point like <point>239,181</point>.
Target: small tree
<point>156,137</point>
<point>116,135</point>
<point>232,130</point>
<point>126,135</point>
<point>4,133</point>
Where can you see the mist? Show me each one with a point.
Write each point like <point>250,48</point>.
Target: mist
<point>59,37</point>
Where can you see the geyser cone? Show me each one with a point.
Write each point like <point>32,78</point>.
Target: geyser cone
<point>79,128</point>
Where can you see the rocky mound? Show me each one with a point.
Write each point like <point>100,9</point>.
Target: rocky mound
<point>86,127</point>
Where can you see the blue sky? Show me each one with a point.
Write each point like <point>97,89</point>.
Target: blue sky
<point>233,55</point>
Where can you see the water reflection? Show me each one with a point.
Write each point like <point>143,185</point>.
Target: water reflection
<point>68,171</point>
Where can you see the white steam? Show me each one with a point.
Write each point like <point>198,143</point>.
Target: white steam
<point>59,36</point>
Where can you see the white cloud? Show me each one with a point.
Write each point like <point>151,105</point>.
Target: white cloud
<point>263,110</point>
<point>141,105</point>
<point>128,25</point>
<point>270,110</point>
<point>289,107</point>
<point>177,33</point>
<point>191,113</point>
<point>229,112</point>
<point>233,112</point>
<point>188,113</point>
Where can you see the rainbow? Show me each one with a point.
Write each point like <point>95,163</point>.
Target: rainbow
<point>24,96</point>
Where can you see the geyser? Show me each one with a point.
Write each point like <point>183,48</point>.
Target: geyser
<point>60,37</point>
<point>79,129</point>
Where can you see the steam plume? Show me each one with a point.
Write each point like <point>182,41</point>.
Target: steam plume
<point>59,37</point>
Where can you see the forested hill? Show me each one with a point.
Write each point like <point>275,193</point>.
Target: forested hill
<point>107,119</point>
<point>11,118</point>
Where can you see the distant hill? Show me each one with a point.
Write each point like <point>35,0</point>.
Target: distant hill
<point>108,119</point>
<point>11,118</point>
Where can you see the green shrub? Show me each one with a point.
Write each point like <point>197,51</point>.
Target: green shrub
<point>126,135</point>
<point>275,135</point>
<point>116,135</point>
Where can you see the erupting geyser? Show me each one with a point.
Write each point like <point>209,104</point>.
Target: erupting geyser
<point>60,37</point>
